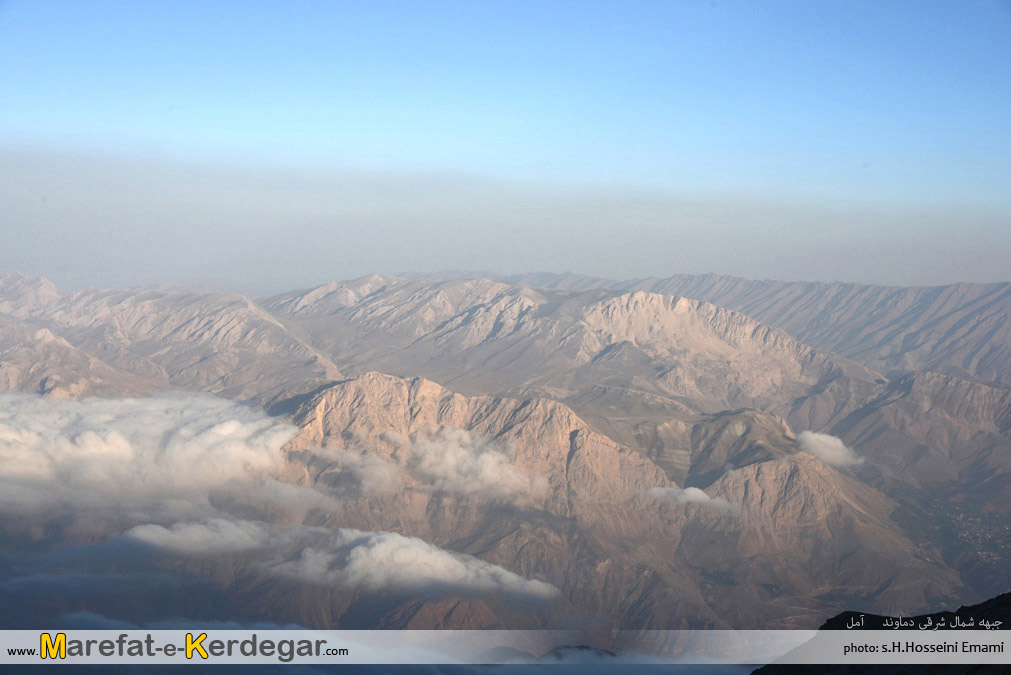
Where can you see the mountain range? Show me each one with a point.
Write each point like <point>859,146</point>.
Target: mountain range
<point>697,451</point>
<point>962,329</point>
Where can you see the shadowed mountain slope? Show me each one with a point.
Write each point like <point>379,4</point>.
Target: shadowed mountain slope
<point>963,329</point>
<point>216,342</point>
<point>605,353</point>
<point>769,543</point>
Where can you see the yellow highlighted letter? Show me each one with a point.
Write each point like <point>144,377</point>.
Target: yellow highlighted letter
<point>194,645</point>
<point>50,649</point>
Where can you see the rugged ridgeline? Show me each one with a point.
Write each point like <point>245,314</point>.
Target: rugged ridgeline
<point>571,406</point>
<point>163,338</point>
<point>607,354</point>
<point>571,507</point>
<point>647,369</point>
<point>36,360</point>
<point>961,329</point>
<point>665,376</point>
<point>942,446</point>
<point>927,429</point>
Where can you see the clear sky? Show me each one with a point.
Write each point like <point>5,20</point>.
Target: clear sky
<point>602,128</point>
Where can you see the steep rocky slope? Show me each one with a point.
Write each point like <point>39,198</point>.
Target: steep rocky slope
<point>942,446</point>
<point>642,453</point>
<point>23,296</point>
<point>928,429</point>
<point>960,328</point>
<point>771,543</point>
<point>697,450</point>
<point>216,342</point>
<point>544,439</point>
<point>35,360</point>
<point>605,353</point>
<point>841,529</point>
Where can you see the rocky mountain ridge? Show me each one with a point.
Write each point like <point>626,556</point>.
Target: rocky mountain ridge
<point>654,458</point>
<point>963,329</point>
<point>599,497</point>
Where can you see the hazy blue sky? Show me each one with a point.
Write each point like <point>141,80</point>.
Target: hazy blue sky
<point>266,145</point>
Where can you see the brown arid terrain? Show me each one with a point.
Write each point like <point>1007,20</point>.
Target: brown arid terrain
<point>544,451</point>
<point>174,338</point>
<point>964,329</point>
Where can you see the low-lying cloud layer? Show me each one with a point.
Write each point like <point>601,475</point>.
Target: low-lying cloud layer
<point>441,460</point>
<point>148,457</point>
<point>375,561</point>
<point>828,449</point>
<point>360,474</point>
<point>693,495</point>
<point>347,558</point>
<point>214,535</point>
<point>192,476</point>
<point>454,460</point>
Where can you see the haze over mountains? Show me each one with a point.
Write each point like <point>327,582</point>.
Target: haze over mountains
<point>961,328</point>
<point>530,451</point>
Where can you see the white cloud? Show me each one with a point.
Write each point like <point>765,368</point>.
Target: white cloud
<point>368,473</point>
<point>374,561</point>
<point>453,460</point>
<point>213,535</point>
<point>368,561</point>
<point>692,495</point>
<point>197,476</point>
<point>136,460</point>
<point>287,497</point>
<point>828,449</point>
<point>442,460</point>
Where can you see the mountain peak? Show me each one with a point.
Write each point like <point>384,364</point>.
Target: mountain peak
<point>22,295</point>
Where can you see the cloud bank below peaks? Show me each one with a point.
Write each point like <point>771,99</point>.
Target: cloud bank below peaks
<point>127,461</point>
<point>828,449</point>
<point>445,459</point>
<point>454,460</point>
<point>386,561</point>
<point>347,558</point>
<point>211,536</point>
<point>692,495</point>
<point>193,476</point>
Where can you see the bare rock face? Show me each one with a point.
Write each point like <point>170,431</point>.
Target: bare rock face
<point>222,343</point>
<point>714,354</point>
<point>22,296</point>
<point>772,542</point>
<point>649,371</point>
<point>942,446</point>
<point>642,366</point>
<point>34,360</point>
<point>541,438</point>
<point>215,342</point>
<point>800,504</point>
<point>642,453</point>
<point>963,329</point>
<point>610,356</point>
<point>928,430</point>
<point>657,373</point>
<point>734,439</point>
